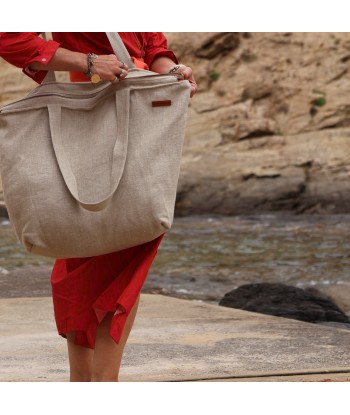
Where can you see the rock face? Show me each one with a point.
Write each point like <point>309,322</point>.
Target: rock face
<point>269,127</point>
<point>285,301</point>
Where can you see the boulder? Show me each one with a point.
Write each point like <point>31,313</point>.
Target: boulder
<point>285,301</point>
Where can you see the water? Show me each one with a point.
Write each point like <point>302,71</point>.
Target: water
<point>12,254</point>
<point>203,257</point>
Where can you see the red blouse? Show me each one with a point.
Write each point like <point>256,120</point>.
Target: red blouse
<point>23,48</point>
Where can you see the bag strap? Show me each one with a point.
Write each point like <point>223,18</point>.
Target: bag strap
<point>118,48</point>
<point>119,151</point>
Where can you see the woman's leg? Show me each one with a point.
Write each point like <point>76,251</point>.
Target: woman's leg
<point>80,360</point>
<point>108,354</point>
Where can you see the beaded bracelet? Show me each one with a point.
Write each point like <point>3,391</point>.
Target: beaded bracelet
<point>90,62</point>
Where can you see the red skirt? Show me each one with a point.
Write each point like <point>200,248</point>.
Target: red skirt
<point>84,290</point>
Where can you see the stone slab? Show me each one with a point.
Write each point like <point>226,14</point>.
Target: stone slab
<point>177,340</point>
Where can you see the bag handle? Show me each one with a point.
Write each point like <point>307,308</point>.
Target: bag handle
<point>119,151</point>
<point>118,48</point>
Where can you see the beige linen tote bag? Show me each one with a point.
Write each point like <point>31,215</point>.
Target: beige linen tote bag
<point>88,170</point>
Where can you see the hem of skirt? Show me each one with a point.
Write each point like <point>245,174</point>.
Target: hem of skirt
<point>86,336</point>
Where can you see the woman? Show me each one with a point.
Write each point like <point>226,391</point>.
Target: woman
<point>95,299</point>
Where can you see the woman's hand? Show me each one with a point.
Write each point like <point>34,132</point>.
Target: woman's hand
<point>109,68</point>
<point>187,73</point>
<point>163,64</point>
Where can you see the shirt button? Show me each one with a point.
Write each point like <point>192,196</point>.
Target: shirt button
<point>43,59</point>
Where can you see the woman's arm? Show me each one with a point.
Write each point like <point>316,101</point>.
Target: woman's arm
<point>108,67</point>
<point>23,48</point>
<point>36,56</point>
<point>63,60</point>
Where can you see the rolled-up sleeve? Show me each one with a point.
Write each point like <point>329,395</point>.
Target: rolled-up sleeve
<point>157,45</point>
<point>23,48</point>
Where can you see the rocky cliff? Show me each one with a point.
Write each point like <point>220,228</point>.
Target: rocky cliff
<point>269,128</point>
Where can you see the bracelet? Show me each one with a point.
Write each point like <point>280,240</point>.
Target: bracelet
<point>175,68</point>
<point>90,62</point>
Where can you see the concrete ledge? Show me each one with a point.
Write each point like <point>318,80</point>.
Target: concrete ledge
<point>317,377</point>
<point>179,340</point>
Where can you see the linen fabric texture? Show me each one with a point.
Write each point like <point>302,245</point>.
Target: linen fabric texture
<point>88,170</point>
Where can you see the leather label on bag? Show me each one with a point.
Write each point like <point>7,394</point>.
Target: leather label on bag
<point>164,103</point>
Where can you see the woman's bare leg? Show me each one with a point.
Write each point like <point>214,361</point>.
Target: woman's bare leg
<point>80,360</point>
<point>108,354</point>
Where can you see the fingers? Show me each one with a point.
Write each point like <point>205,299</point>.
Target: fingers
<point>119,64</point>
<point>194,87</point>
<point>187,74</point>
<point>123,65</point>
<point>110,68</point>
<point>121,70</point>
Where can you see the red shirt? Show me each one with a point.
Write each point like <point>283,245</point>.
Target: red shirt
<point>23,48</point>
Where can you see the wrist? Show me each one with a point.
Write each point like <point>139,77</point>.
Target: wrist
<point>175,68</point>
<point>162,64</point>
<point>81,62</point>
<point>89,64</point>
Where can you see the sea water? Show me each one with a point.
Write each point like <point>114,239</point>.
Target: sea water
<point>203,257</point>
